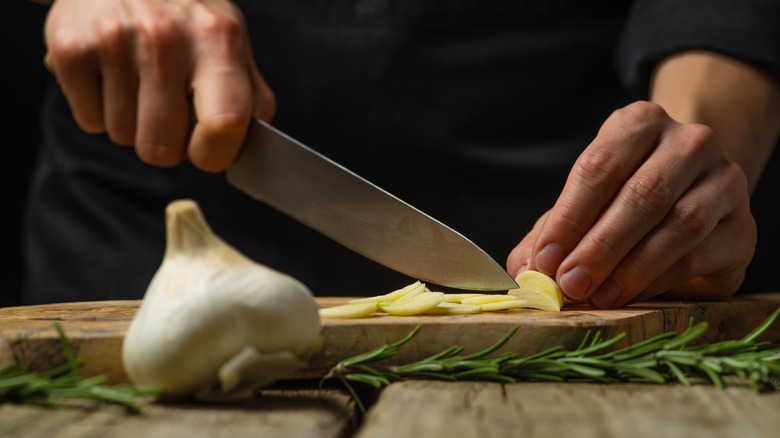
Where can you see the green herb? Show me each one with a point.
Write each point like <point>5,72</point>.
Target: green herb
<point>669,357</point>
<point>53,388</point>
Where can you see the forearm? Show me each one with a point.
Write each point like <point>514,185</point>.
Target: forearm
<point>739,102</point>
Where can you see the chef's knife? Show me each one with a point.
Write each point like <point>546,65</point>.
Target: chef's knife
<point>307,186</point>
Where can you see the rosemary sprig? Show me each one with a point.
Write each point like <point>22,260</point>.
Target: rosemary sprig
<point>669,357</point>
<point>53,388</point>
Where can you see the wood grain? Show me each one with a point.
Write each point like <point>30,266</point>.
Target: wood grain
<point>96,329</point>
<point>274,413</point>
<point>585,410</point>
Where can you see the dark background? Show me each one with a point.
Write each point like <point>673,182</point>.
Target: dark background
<point>25,79</point>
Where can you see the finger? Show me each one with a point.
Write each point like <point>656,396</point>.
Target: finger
<point>520,258</point>
<point>689,223</point>
<point>224,99</point>
<point>623,142</point>
<point>78,75</point>
<point>264,104</point>
<point>223,104</point>
<point>120,84</point>
<point>163,109</point>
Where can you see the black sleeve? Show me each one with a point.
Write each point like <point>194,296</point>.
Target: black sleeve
<point>748,30</point>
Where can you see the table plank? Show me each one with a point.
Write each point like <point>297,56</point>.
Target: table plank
<point>274,413</point>
<point>584,410</point>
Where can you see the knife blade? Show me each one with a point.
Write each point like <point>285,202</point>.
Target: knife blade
<point>282,172</point>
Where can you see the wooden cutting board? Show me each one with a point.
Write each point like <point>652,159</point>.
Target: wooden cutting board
<point>96,330</point>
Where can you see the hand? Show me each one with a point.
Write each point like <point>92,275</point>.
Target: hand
<point>650,207</point>
<point>135,69</point>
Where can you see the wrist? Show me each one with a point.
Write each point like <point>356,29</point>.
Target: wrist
<point>740,102</point>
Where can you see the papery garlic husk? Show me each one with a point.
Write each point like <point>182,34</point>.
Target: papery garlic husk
<point>214,321</point>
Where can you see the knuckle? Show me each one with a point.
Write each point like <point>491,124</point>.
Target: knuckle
<point>66,49</point>
<point>697,142</point>
<point>596,167</point>
<point>643,110</point>
<point>700,135</point>
<point>224,123</point>
<point>635,123</point>
<point>158,38</point>
<point>648,191</point>
<point>111,33</point>
<point>605,246</point>
<point>639,113</point>
<point>689,263</point>
<point>226,29</point>
<point>693,222</point>
<point>569,218</point>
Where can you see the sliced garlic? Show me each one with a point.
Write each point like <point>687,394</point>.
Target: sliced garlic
<point>418,304</point>
<point>415,288</point>
<point>447,308</point>
<point>350,310</point>
<point>487,299</point>
<point>503,305</point>
<point>458,298</point>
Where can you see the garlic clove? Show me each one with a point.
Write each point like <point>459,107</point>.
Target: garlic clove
<point>207,303</point>
<point>251,369</point>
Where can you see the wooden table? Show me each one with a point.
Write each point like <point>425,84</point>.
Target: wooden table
<point>299,408</point>
<point>433,409</point>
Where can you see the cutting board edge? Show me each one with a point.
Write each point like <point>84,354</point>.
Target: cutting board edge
<point>26,345</point>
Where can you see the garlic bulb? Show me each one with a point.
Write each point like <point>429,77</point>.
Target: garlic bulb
<point>212,321</point>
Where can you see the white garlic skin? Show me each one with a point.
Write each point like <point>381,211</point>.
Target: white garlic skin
<point>205,304</point>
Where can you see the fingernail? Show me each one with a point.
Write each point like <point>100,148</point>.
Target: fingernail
<point>575,283</point>
<point>607,295</point>
<point>549,258</point>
